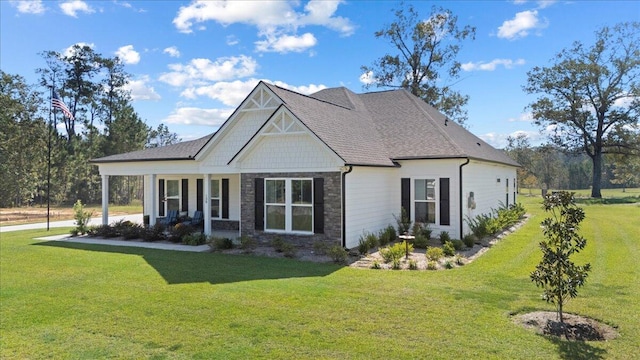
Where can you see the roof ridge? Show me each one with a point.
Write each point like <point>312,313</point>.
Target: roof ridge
<point>309,96</point>
<point>414,99</point>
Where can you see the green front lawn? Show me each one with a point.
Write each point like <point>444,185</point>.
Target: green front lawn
<point>62,300</point>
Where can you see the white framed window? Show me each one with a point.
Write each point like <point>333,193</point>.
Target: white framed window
<point>424,201</point>
<point>216,200</point>
<point>288,205</point>
<point>172,195</point>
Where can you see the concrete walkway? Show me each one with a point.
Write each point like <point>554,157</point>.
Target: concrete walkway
<point>136,218</point>
<point>141,244</point>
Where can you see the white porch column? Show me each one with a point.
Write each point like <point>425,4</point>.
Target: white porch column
<point>207,204</point>
<point>105,199</point>
<point>152,194</point>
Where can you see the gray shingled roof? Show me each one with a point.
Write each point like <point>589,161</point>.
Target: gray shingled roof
<point>373,129</point>
<point>185,150</point>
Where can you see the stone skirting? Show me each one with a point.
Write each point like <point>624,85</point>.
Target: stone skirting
<point>225,225</point>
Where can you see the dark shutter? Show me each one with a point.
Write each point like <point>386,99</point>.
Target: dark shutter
<point>199,194</point>
<point>405,191</point>
<point>259,203</point>
<point>318,205</point>
<point>185,194</point>
<point>160,197</point>
<point>445,217</point>
<point>225,198</point>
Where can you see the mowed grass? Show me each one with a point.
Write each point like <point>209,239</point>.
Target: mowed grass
<point>75,301</point>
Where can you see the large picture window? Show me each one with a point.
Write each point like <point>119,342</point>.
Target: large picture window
<point>425,201</point>
<point>289,205</point>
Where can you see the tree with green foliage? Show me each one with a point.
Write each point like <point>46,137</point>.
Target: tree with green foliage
<point>426,53</point>
<point>591,95</point>
<point>556,273</point>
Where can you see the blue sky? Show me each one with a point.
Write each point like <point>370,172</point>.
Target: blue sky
<point>192,63</point>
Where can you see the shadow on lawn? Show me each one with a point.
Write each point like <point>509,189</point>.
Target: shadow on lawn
<point>178,267</point>
<point>577,350</point>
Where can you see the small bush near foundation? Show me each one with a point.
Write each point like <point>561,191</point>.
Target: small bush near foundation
<point>422,230</point>
<point>459,259</point>
<point>376,265</point>
<point>396,265</point>
<point>432,265</point>
<point>82,219</point>
<point>105,231</point>
<point>469,240</point>
<point>248,244</point>
<point>338,254</point>
<point>387,235</point>
<point>153,233</point>
<point>395,252</point>
<point>448,249</point>
<point>178,231</point>
<point>194,239</point>
<point>289,250</point>
<point>413,265</point>
<point>278,244</point>
<point>421,241</point>
<point>444,237</point>
<point>448,264</point>
<point>320,247</point>
<point>458,244</point>
<point>220,243</point>
<point>434,253</point>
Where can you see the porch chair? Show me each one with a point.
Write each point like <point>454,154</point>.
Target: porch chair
<point>196,220</point>
<point>170,219</point>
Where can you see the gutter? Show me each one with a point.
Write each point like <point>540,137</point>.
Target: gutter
<point>461,195</point>
<point>344,207</point>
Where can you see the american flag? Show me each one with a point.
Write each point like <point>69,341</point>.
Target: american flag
<point>56,102</point>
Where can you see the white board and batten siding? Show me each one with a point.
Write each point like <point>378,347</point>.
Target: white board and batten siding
<point>372,198</point>
<point>488,182</point>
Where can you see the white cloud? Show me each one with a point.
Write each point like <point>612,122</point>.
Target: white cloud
<point>277,21</point>
<point>199,71</point>
<point>128,55</point>
<point>232,93</point>
<point>70,50</point>
<point>367,78</point>
<point>198,116</point>
<point>140,90</point>
<point>491,66</point>
<point>520,25</point>
<point>172,51</point>
<point>286,43</point>
<point>232,40</point>
<point>524,117</point>
<point>72,8</point>
<point>499,140</point>
<point>29,6</point>
<point>545,3</point>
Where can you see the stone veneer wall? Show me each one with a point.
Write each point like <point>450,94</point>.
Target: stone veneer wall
<point>332,208</point>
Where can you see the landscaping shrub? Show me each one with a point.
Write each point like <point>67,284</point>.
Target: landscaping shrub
<point>338,254</point>
<point>458,244</point>
<point>432,265</point>
<point>448,264</point>
<point>403,221</point>
<point>248,244</point>
<point>289,250</point>
<point>194,239</point>
<point>434,253</point>
<point>220,243</point>
<point>422,230</point>
<point>448,249</point>
<point>105,231</point>
<point>444,237</point>
<point>421,241</point>
<point>376,265</point>
<point>396,265</point>
<point>480,225</point>
<point>395,252</point>
<point>387,236</point>
<point>367,242</point>
<point>153,233</point>
<point>413,265</point>
<point>363,246</point>
<point>469,240</point>
<point>82,219</point>
<point>372,241</point>
<point>278,244</point>
<point>178,231</point>
<point>459,259</point>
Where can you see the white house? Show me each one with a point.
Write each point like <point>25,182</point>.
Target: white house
<point>323,167</point>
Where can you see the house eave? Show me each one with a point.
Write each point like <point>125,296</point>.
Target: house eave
<point>97,161</point>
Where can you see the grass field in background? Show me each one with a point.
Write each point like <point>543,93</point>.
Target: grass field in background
<point>79,301</point>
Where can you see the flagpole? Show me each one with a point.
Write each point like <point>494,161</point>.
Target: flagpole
<point>49,156</point>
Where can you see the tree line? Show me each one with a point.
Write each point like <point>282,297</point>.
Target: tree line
<point>103,123</point>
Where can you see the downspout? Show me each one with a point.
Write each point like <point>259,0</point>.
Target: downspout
<point>344,207</point>
<point>461,196</point>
